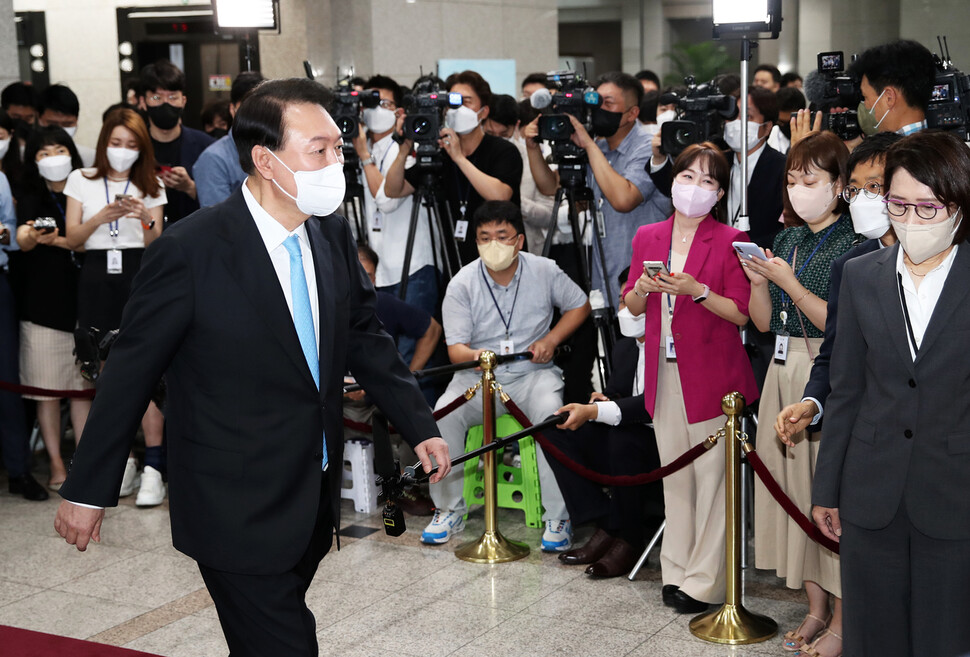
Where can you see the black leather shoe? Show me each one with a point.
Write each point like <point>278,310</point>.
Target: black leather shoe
<point>667,594</point>
<point>595,548</point>
<point>618,560</point>
<point>684,604</point>
<point>28,487</point>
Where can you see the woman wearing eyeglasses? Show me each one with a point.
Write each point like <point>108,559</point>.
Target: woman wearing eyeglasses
<point>789,292</point>
<point>891,480</point>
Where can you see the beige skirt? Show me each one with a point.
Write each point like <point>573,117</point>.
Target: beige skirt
<point>779,543</point>
<point>47,360</point>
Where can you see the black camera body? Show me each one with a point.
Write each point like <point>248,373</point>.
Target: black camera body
<point>701,114</point>
<point>346,105</point>
<point>949,107</point>
<point>840,91</point>
<point>572,98</point>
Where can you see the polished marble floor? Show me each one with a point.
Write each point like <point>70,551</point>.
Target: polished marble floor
<point>377,597</point>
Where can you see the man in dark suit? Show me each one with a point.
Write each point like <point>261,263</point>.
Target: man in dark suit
<point>253,311</point>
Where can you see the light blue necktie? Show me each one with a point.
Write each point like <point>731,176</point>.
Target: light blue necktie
<point>303,316</point>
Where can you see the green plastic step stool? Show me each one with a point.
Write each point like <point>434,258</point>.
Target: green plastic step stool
<point>517,487</point>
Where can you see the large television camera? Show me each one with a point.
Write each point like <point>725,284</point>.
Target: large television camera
<point>840,91</point>
<point>425,117</point>
<point>701,114</point>
<point>345,108</point>
<point>572,98</point>
<point>949,107</point>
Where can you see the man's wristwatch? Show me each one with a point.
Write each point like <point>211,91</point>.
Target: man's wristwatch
<point>369,160</point>
<point>703,295</point>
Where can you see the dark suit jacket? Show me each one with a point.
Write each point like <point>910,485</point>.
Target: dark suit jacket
<point>818,386</point>
<point>898,431</point>
<point>245,421</point>
<point>619,387</point>
<point>764,193</point>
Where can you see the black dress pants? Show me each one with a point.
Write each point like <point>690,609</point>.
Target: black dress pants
<point>266,615</point>
<point>903,592</point>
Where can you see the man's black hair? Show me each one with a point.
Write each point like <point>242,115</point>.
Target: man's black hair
<point>18,93</point>
<point>261,118</point>
<point>647,74</point>
<point>363,249</point>
<point>790,99</point>
<point>527,113</point>
<point>871,148</point>
<point>648,107</point>
<point>789,77</point>
<point>243,84</point>
<point>766,101</point>
<point>535,78</point>
<point>60,98</point>
<point>164,75</point>
<point>384,82</point>
<point>215,108</point>
<point>906,65</point>
<point>728,84</point>
<point>357,81</point>
<point>474,80</point>
<point>771,68</point>
<point>498,212</point>
<point>625,82</point>
<point>504,109</point>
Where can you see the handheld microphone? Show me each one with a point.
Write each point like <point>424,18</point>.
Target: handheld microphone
<point>540,98</point>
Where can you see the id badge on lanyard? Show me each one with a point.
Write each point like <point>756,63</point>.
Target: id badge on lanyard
<point>114,261</point>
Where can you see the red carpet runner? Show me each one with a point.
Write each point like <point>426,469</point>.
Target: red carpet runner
<point>25,643</point>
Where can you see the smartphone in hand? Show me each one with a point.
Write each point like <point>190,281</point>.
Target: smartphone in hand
<point>749,250</point>
<point>654,267</point>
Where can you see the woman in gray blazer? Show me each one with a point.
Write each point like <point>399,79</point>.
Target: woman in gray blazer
<point>891,481</point>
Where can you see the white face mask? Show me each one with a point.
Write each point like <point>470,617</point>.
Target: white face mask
<point>651,129</point>
<point>379,119</point>
<point>318,193</point>
<point>923,241</point>
<point>4,147</point>
<point>55,168</point>
<point>869,216</point>
<point>462,120</point>
<point>630,326</point>
<point>811,203</point>
<point>122,159</point>
<point>71,131</point>
<point>663,117</point>
<point>732,134</point>
<point>497,255</point>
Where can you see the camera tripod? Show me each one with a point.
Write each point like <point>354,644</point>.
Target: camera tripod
<point>353,203</point>
<point>573,190</point>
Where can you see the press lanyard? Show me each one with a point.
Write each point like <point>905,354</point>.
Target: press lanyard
<point>794,256</point>
<point>57,203</point>
<point>670,256</point>
<point>508,324</point>
<point>113,225</point>
<point>909,323</point>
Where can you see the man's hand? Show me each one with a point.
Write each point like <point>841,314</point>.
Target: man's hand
<point>598,396</point>
<point>658,158</point>
<point>802,126</point>
<point>580,137</point>
<point>78,524</point>
<point>827,520</point>
<point>437,448</point>
<point>530,132</point>
<point>178,178</point>
<point>794,418</point>
<point>543,349</point>
<point>451,144</point>
<point>579,414</point>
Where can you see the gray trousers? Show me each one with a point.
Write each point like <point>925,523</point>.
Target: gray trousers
<point>537,393</point>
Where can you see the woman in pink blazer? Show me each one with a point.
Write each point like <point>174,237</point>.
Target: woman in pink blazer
<point>693,357</point>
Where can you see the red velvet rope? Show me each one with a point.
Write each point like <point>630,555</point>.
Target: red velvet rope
<point>438,414</point>
<point>607,480</point>
<point>43,392</point>
<point>800,519</point>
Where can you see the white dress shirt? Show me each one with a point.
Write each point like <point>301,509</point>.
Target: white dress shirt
<point>920,303</point>
<point>734,191</point>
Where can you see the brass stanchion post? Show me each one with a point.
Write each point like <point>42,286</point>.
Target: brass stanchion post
<point>492,547</point>
<point>732,623</point>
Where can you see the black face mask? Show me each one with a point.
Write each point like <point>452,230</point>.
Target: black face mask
<point>165,116</point>
<point>605,123</point>
<point>785,130</point>
<point>218,133</point>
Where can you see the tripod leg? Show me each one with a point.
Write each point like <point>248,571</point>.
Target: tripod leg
<point>445,224</point>
<point>554,226</point>
<point>409,245</point>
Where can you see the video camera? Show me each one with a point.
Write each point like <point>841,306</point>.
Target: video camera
<point>91,348</point>
<point>701,113</point>
<point>572,98</point>
<point>840,91</point>
<point>424,118</point>
<point>345,108</point>
<point>949,107</point>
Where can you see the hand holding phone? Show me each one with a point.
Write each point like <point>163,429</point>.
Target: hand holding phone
<point>749,250</point>
<point>653,268</point>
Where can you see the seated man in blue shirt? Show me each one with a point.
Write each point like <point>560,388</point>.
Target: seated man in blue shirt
<point>504,302</point>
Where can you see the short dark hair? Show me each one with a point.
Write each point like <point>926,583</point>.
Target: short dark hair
<point>18,93</point>
<point>503,109</point>
<point>648,107</point>
<point>789,77</point>
<point>215,108</point>
<point>365,250</point>
<point>906,65</point>
<point>474,80</point>
<point>790,99</point>
<point>766,102</point>
<point>527,113</point>
<point>771,68</point>
<point>243,84</point>
<point>939,160</point>
<point>357,81</point>
<point>498,212</point>
<point>261,118</point>
<point>626,83</point>
<point>60,98</point>
<point>39,138</point>
<point>872,148</point>
<point>728,84</point>
<point>535,78</point>
<point>384,82</point>
<point>6,122</point>
<point>162,74</point>
<point>824,151</point>
<point>647,74</point>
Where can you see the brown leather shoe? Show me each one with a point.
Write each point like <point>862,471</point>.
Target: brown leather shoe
<point>618,560</point>
<point>595,548</point>
<point>416,503</point>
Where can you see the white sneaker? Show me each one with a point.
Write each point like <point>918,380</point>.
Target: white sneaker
<point>130,481</point>
<point>442,526</point>
<point>152,490</point>
<point>558,536</point>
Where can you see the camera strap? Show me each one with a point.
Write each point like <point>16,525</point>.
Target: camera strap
<point>507,324</point>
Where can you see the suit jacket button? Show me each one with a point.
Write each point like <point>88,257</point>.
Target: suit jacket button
<point>912,383</point>
<point>908,433</point>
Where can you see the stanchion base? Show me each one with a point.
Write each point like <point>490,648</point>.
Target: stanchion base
<point>733,624</point>
<point>492,547</point>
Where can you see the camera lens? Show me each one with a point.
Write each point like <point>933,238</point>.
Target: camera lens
<point>347,125</point>
<point>684,136</point>
<point>559,126</point>
<point>421,126</point>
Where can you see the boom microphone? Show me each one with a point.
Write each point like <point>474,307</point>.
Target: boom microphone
<point>541,98</point>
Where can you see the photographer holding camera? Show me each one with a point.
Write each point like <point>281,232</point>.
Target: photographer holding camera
<point>618,152</point>
<point>475,166</point>
<point>896,80</point>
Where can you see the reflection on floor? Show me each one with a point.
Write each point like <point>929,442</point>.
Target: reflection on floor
<point>379,596</point>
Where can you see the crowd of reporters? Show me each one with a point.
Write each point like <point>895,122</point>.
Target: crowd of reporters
<point>592,203</point>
